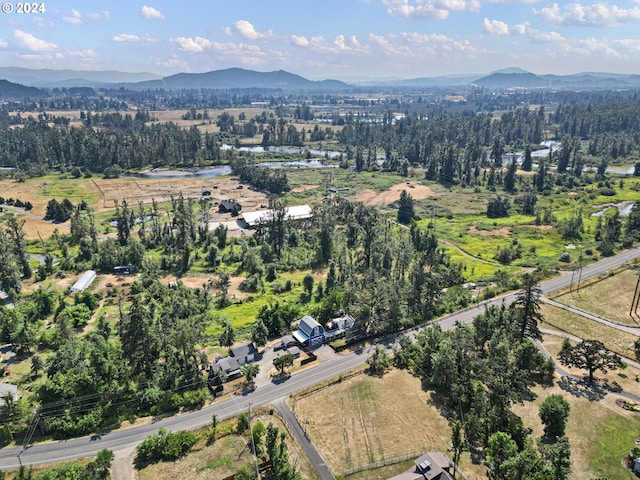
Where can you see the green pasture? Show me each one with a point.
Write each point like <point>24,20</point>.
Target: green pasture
<point>617,436</point>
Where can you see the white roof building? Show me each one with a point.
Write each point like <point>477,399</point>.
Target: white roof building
<point>84,281</point>
<point>298,212</point>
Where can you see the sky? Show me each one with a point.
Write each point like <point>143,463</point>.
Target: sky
<point>318,39</point>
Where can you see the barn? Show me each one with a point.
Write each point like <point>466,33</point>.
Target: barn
<point>309,332</point>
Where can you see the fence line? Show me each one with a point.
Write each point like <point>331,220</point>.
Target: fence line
<point>393,461</point>
<point>332,382</point>
<point>382,463</point>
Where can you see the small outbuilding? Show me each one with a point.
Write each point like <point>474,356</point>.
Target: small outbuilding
<point>84,281</point>
<point>287,341</point>
<point>124,270</point>
<point>293,351</point>
<point>229,206</point>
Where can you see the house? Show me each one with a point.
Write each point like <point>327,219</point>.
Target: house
<point>124,270</point>
<point>229,206</point>
<point>344,323</point>
<point>431,466</point>
<point>84,281</point>
<point>309,332</point>
<point>338,327</point>
<point>228,365</point>
<point>244,353</point>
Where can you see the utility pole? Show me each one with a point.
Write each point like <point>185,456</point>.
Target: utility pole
<point>253,445</point>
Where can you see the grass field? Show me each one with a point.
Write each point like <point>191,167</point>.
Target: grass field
<point>363,420</point>
<point>609,298</point>
<point>600,433</point>
<point>225,456</point>
<point>598,444</point>
<point>367,423</point>
<point>613,339</point>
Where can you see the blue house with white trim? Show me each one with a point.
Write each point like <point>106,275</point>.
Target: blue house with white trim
<point>309,332</point>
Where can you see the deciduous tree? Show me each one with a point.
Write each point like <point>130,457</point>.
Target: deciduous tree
<point>590,355</point>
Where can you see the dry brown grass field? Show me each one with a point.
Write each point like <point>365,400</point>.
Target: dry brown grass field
<point>609,298</point>
<point>218,461</point>
<point>366,419</point>
<point>582,327</point>
<point>144,190</point>
<point>102,194</point>
<point>373,198</point>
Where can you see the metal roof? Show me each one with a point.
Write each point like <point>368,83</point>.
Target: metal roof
<point>298,212</point>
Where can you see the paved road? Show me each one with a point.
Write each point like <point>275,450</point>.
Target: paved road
<point>310,451</point>
<point>128,438</point>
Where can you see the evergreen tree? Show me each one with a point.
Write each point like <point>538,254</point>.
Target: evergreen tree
<point>405,208</point>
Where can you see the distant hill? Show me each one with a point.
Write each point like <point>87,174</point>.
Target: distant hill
<point>517,78</point>
<point>241,78</point>
<point>510,80</point>
<point>11,91</point>
<point>71,78</point>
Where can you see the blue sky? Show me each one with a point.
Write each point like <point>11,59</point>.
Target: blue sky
<point>343,39</point>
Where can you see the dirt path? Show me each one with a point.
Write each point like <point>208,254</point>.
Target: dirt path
<point>467,254</point>
<point>122,466</point>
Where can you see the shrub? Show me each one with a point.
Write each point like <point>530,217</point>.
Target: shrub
<point>165,446</point>
<point>564,257</point>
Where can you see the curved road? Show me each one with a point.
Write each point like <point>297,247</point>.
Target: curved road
<point>126,439</point>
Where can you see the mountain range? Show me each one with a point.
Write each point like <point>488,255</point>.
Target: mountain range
<point>510,78</point>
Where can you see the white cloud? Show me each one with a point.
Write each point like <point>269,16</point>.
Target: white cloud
<point>82,54</point>
<point>74,17</point>
<point>32,43</point>
<point>3,43</point>
<point>595,15</point>
<point>173,63</point>
<point>428,9</point>
<point>495,27</point>
<point>246,54</point>
<point>592,45</point>
<point>192,45</point>
<point>539,36</point>
<point>41,22</point>
<point>248,31</point>
<point>402,8</point>
<point>150,12</point>
<point>631,44</point>
<point>520,29</point>
<point>300,41</point>
<point>507,2</point>
<point>125,37</point>
<point>99,15</point>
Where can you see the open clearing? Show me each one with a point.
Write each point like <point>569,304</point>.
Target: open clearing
<point>366,419</point>
<point>102,195</point>
<point>609,298</point>
<point>375,199</point>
